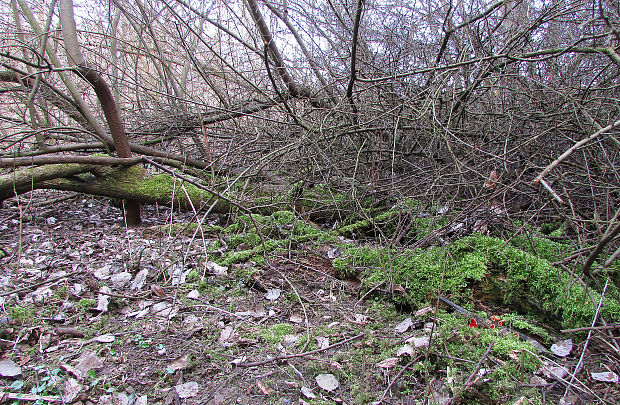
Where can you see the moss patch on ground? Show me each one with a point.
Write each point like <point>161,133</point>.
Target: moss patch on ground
<point>519,277</point>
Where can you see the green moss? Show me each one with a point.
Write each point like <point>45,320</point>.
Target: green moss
<point>513,358</point>
<point>24,315</point>
<point>521,278</point>
<point>274,334</point>
<point>343,269</point>
<point>87,303</point>
<point>164,186</point>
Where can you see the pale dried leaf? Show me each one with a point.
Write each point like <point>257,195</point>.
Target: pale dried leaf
<point>216,269</point>
<point>420,341</point>
<point>404,326</point>
<point>289,340</point>
<point>608,376</point>
<point>569,399</point>
<point>226,334</point>
<point>187,390</point>
<point>333,253</point>
<point>194,294</point>
<point>562,348</point>
<point>296,318</point>
<point>103,300</point>
<point>44,342</point>
<point>120,399</point>
<point>164,309</point>
<point>158,291</point>
<point>9,369</point>
<point>107,338</point>
<point>360,319</point>
<point>102,273</point>
<point>120,280</point>
<point>388,363</point>
<point>140,279</point>
<point>405,350</point>
<point>180,363</point>
<point>328,382</point>
<point>537,381</point>
<point>423,311</point>
<point>141,400</point>
<point>322,342</point>
<point>307,392</point>
<point>553,371</point>
<point>265,389</point>
<point>88,361</point>
<point>71,389</point>
<point>273,294</point>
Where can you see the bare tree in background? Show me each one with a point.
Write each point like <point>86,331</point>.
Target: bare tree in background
<point>377,101</point>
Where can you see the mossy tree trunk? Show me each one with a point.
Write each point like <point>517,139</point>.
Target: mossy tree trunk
<point>115,182</point>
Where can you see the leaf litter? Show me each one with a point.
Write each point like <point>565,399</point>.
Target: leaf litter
<point>139,328</point>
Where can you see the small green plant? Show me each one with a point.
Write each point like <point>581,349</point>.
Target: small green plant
<point>142,342</point>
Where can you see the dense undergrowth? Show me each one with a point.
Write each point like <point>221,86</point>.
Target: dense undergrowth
<point>517,272</point>
<point>510,278</point>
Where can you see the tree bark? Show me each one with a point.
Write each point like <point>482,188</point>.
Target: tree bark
<point>112,115</point>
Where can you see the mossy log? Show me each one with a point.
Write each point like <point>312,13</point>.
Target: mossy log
<point>115,182</point>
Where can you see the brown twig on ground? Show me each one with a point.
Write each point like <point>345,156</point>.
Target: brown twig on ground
<point>585,346</point>
<point>606,327</point>
<point>470,381</point>
<point>51,280</point>
<point>292,356</point>
<point>396,379</point>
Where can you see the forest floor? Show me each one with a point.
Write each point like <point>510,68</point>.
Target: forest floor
<point>100,314</point>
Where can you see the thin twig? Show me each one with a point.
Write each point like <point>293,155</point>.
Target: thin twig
<point>51,280</point>
<point>292,356</point>
<point>396,379</point>
<point>605,327</point>
<point>585,346</point>
<point>470,381</point>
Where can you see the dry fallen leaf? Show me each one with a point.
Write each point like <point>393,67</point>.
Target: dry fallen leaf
<point>419,341</point>
<point>226,334</point>
<point>388,363</point>
<point>187,390</point>
<point>405,350</point>
<point>328,382</point>
<point>216,269</point>
<point>562,348</point>
<point>322,342</point>
<point>273,294</point>
<point>264,388</point>
<point>307,392</point>
<point>404,325</point>
<point>608,376</point>
<point>107,338</point>
<point>88,361</point>
<point>103,299</point>
<point>491,182</point>
<point>71,389</point>
<point>158,291</point>
<point>9,369</point>
<point>179,363</point>
<point>553,371</point>
<point>360,319</point>
<point>423,311</point>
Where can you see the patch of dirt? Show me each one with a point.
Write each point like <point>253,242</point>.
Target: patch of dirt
<point>192,333</point>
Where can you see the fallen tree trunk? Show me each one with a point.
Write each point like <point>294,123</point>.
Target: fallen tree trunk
<point>108,177</point>
<point>114,182</point>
